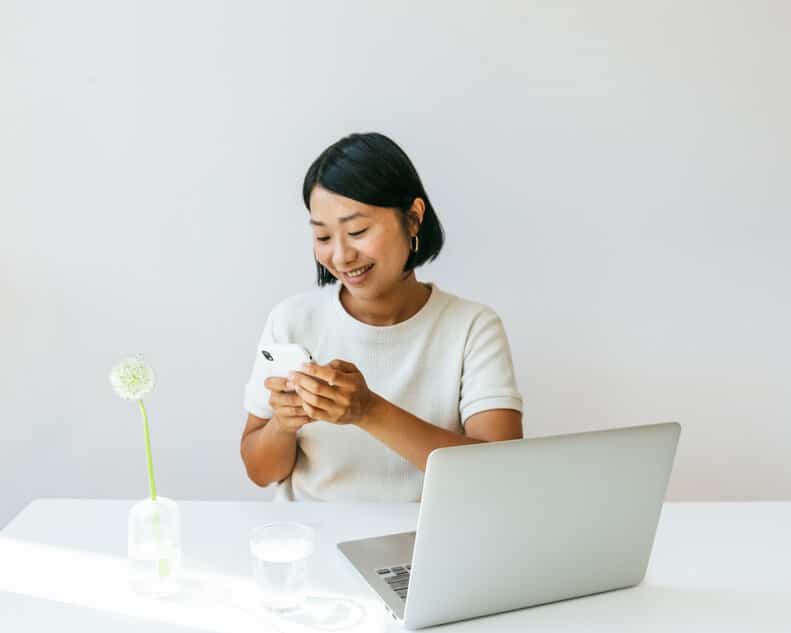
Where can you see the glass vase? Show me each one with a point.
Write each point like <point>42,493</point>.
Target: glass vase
<point>154,547</point>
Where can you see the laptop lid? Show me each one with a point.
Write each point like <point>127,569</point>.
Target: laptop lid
<point>506,525</point>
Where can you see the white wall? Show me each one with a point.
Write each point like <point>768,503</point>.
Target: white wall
<point>612,176</point>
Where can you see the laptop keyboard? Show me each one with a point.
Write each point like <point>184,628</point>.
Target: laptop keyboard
<point>397,577</point>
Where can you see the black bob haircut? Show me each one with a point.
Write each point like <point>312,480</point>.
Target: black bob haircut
<point>370,168</point>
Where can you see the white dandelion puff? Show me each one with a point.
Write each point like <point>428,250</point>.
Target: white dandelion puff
<point>132,378</point>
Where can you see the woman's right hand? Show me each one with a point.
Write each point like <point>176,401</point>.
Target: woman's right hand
<point>286,405</point>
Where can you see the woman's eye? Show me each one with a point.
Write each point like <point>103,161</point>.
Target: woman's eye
<point>355,234</point>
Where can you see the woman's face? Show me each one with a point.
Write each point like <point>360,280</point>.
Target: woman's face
<point>349,236</point>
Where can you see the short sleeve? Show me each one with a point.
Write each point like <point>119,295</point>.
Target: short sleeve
<point>256,395</point>
<point>488,380</point>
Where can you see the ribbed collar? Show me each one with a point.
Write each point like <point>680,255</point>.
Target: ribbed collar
<point>386,333</point>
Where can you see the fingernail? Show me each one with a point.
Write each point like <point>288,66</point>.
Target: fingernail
<point>289,384</point>
<point>291,374</point>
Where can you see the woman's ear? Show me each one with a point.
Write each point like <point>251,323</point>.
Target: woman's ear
<point>419,208</point>
<point>415,216</point>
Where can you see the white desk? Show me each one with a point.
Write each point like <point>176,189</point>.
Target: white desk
<point>715,567</point>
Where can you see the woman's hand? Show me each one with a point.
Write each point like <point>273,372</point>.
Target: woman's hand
<point>336,392</point>
<point>286,404</point>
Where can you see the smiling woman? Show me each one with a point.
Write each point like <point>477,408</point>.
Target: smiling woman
<point>402,367</point>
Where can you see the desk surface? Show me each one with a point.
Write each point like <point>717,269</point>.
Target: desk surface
<point>714,567</point>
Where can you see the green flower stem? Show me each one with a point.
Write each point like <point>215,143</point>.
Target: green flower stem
<point>164,569</point>
<point>151,482</point>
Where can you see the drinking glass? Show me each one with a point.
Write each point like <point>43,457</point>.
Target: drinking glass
<point>281,558</point>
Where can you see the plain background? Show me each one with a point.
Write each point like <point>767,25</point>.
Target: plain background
<point>613,179</point>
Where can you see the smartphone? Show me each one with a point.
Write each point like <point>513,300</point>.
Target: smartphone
<point>277,359</point>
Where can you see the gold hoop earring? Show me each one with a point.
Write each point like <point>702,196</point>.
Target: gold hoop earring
<point>417,244</point>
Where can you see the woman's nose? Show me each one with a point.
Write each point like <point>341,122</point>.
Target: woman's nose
<point>342,255</point>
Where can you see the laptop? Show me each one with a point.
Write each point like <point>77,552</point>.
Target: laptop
<point>518,523</point>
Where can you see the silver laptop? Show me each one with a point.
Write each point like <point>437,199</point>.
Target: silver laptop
<point>513,524</point>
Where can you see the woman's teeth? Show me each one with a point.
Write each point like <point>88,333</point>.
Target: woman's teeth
<point>359,271</point>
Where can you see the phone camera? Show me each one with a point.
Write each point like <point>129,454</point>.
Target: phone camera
<point>267,355</point>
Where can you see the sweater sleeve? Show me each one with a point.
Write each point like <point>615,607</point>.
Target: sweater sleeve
<point>256,396</point>
<point>488,380</point>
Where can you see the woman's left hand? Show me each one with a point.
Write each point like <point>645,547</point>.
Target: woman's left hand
<point>336,392</point>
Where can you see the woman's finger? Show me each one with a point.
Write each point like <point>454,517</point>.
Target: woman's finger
<point>317,401</point>
<point>343,365</point>
<point>308,410</point>
<point>274,383</point>
<point>314,385</point>
<point>316,413</point>
<point>284,399</point>
<point>334,377</point>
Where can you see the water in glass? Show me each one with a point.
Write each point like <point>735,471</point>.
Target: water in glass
<point>281,558</point>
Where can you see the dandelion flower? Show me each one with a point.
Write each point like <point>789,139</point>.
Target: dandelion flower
<point>132,378</point>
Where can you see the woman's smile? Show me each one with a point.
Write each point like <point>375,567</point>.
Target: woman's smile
<point>358,276</point>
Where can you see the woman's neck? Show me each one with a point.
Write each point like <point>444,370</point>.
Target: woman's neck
<point>400,303</point>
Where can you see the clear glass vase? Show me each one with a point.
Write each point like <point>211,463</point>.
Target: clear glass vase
<point>154,547</point>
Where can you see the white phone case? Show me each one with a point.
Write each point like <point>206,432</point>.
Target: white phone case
<point>277,360</point>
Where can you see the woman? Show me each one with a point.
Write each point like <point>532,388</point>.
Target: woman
<point>402,366</point>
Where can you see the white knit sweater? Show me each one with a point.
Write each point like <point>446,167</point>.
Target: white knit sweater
<point>445,363</point>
